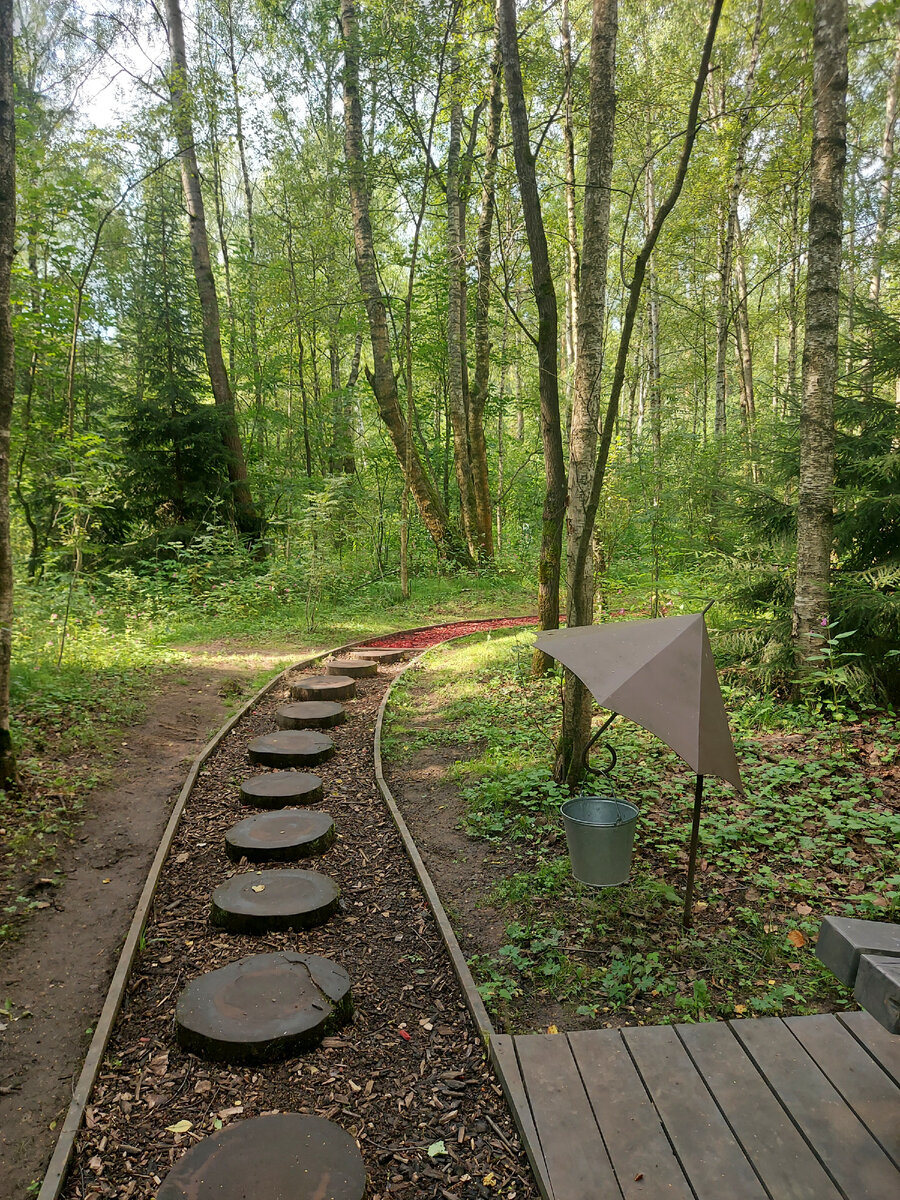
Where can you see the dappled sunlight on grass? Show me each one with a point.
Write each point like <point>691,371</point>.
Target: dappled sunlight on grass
<point>815,834</point>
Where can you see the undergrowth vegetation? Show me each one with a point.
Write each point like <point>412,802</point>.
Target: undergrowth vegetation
<point>89,652</point>
<point>814,834</point>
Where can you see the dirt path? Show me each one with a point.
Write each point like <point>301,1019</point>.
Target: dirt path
<point>54,978</point>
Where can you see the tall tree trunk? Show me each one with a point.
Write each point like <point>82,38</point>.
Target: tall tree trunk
<point>588,370</point>
<point>793,280</point>
<point>887,172</point>
<point>456,371</point>
<point>479,392</point>
<point>723,311</point>
<point>245,515</point>
<point>8,775</point>
<point>545,298</point>
<point>572,257</point>
<point>248,202</point>
<point>635,288</point>
<point>745,356</point>
<point>655,372</point>
<point>382,378</point>
<point>820,345</point>
<point>348,410</point>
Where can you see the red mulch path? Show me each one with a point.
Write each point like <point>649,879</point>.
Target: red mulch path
<point>408,1077</point>
<point>423,638</point>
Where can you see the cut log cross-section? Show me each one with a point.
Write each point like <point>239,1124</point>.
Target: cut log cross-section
<point>281,788</point>
<point>260,901</point>
<point>281,836</point>
<point>291,748</point>
<point>355,668</point>
<point>310,714</point>
<point>264,1008</point>
<point>283,1154</point>
<point>323,687</point>
<point>379,654</point>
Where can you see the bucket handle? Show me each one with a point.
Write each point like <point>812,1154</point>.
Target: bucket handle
<point>614,758</point>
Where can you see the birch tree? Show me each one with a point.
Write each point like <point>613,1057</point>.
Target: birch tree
<point>545,299</point>
<point>7,372</point>
<point>815,519</point>
<point>245,515</point>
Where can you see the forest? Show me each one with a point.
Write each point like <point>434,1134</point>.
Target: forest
<point>313,302</point>
<point>427,324</point>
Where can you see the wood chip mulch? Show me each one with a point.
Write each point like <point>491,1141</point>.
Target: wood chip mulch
<point>408,1078</point>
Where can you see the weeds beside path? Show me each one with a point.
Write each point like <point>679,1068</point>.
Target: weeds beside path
<point>469,750</point>
<point>74,882</point>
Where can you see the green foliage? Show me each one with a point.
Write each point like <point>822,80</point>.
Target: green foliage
<point>814,833</point>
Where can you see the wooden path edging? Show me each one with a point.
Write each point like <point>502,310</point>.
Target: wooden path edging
<point>55,1175</point>
<point>498,1048</point>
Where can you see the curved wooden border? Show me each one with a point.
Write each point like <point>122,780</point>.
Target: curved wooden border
<point>472,996</point>
<point>55,1175</point>
<point>499,1048</point>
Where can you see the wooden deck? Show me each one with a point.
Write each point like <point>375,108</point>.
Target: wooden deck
<point>805,1108</point>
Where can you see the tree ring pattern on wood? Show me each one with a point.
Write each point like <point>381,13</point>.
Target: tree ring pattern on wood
<point>283,1154</point>
<point>356,668</point>
<point>280,836</point>
<point>323,687</point>
<point>263,1008</point>
<point>291,748</point>
<point>281,788</point>
<point>311,714</point>
<point>379,655</point>
<point>259,901</point>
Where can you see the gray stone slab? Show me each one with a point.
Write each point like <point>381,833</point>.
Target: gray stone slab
<point>877,989</point>
<point>843,939</point>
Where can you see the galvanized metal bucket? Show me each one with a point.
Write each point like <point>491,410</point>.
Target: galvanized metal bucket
<point>600,834</point>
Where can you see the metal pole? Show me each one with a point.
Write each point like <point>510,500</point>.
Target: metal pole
<point>692,854</point>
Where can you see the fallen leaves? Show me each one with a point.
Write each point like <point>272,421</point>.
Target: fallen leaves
<point>796,938</point>
<point>180,1127</point>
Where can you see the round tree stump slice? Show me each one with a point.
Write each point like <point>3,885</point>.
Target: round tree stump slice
<point>310,714</point>
<point>356,668</point>
<point>259,901</point>
<point>282,836</point>
<point>379,655</point>
<point>263,1008</point>
<point>279,1156</point>
<point>323,687</point>
<point>291,748</point>
<point>281,788</point>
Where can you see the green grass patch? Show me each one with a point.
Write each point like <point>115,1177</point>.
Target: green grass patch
<point>814,834</point>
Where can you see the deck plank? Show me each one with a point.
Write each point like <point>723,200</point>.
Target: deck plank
<point>869,1091</point>
<point>706,1147</point>
<point>883,1046</point>
<point>571,1143</point>
<point>784,1162</point>
<point>641,1154</point>
<point>850,1154</point>
<point>503,1055</point>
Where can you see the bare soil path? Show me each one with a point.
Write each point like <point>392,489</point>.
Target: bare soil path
<point>54,978</point>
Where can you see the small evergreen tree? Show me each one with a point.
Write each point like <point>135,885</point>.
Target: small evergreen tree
<point>173,442</point>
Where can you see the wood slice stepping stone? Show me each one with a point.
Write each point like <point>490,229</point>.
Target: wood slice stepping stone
<point>281,788</point>
<point>291,748</point>
<point>281,1155</point>
<point>281,836</point>
<point>378,654</point>
<point>323,687</point>
<point>259,901</point>
<point>311,714</point>
<point>263,1008</point>
<point>356,668</point>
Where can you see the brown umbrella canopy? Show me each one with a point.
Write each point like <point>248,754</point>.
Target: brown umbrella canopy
<point>660,674</point>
